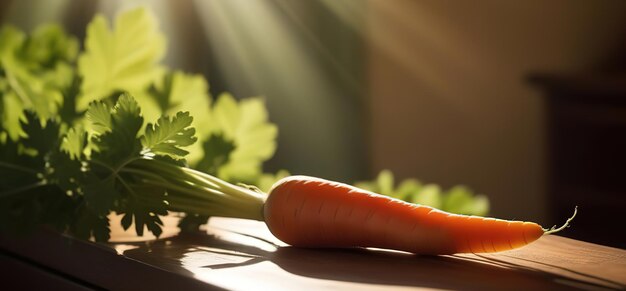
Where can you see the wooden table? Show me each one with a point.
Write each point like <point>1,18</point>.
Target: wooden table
<point>243,255</point>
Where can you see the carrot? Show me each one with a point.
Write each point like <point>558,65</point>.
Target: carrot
<point>311,212</point>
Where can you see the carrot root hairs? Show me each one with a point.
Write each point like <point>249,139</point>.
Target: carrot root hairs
<point>554,229</point>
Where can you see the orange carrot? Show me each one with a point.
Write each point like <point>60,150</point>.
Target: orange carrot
<point>310,212</point>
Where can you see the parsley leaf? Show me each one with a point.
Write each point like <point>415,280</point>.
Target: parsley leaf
<point>110,184</point>
<point>17,169</point>
<point>246,125</point>
<point>74,142</point>
<point>99,116</point>
<point>100,194</point>
<point>65,171</point>
<point>119,142</point>
<point>217,152</point>
<point>12,112</point>
<point>67,111</point>
<point>458,199</point>
<point>47,46</point>
<point>26,199</point>
<point>125,58</point>
<point>430,195</point>
<point>33,71</point>
<point>236,137</point>
<point>38,135</point>
<point>19,164</point>
<point>168,135</point>
<point>88,224</point>
<point>144,211</point>
<point>178,91</point>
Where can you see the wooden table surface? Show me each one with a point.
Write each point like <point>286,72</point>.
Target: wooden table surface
<point>243,255</point>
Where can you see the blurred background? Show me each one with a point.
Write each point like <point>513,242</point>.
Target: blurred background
<point>524,101</point>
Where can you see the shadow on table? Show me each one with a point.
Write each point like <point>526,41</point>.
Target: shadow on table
<point>367,266</point>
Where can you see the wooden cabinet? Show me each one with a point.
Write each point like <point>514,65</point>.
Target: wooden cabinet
<point>586,132</point>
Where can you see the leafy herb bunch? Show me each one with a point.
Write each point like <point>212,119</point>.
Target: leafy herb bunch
<point>74,148</point>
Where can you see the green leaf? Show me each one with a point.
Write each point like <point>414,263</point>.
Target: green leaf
<point>247,126</point>
<point>125,58</point>
<point>226,115</point>
<point>144,211</point>
<point>34,70</point>
<point>34,92</point>
<point>127,114</point>
<point>458,198</point>
<point>217,152</point>
<point>461,200</point>
<point>480,206</point>
<point>67,111</point>
<point>27,196</point>
<point>11,40</point>
<point>99,116</point>
<point>167,136</point>
<point>120,144</point>
<point>408,188</point>
<point>64,171</point>
<point>100,194</point>
<point>39,137</point>
<point>58,208</point>
<point>48,45</point>
<point>22,162</point>
<point>429,195</point>
<point>162,93</point>
<point>385,183</point>
<point>12,114</point>
<point>127,221</point>
<point>87,224</point>
<point>178,91</point>
<point>2,130</point>
<point>74,142</point>
<point>22,213</point>
<point>17,169</point>
<point>267,180</point>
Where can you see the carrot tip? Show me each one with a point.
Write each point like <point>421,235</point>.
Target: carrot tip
<point>554,229</point>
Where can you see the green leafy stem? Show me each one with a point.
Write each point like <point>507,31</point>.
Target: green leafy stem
<point>194,191</point>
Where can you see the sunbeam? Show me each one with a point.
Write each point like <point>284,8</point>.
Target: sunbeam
<point>266,49</point>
